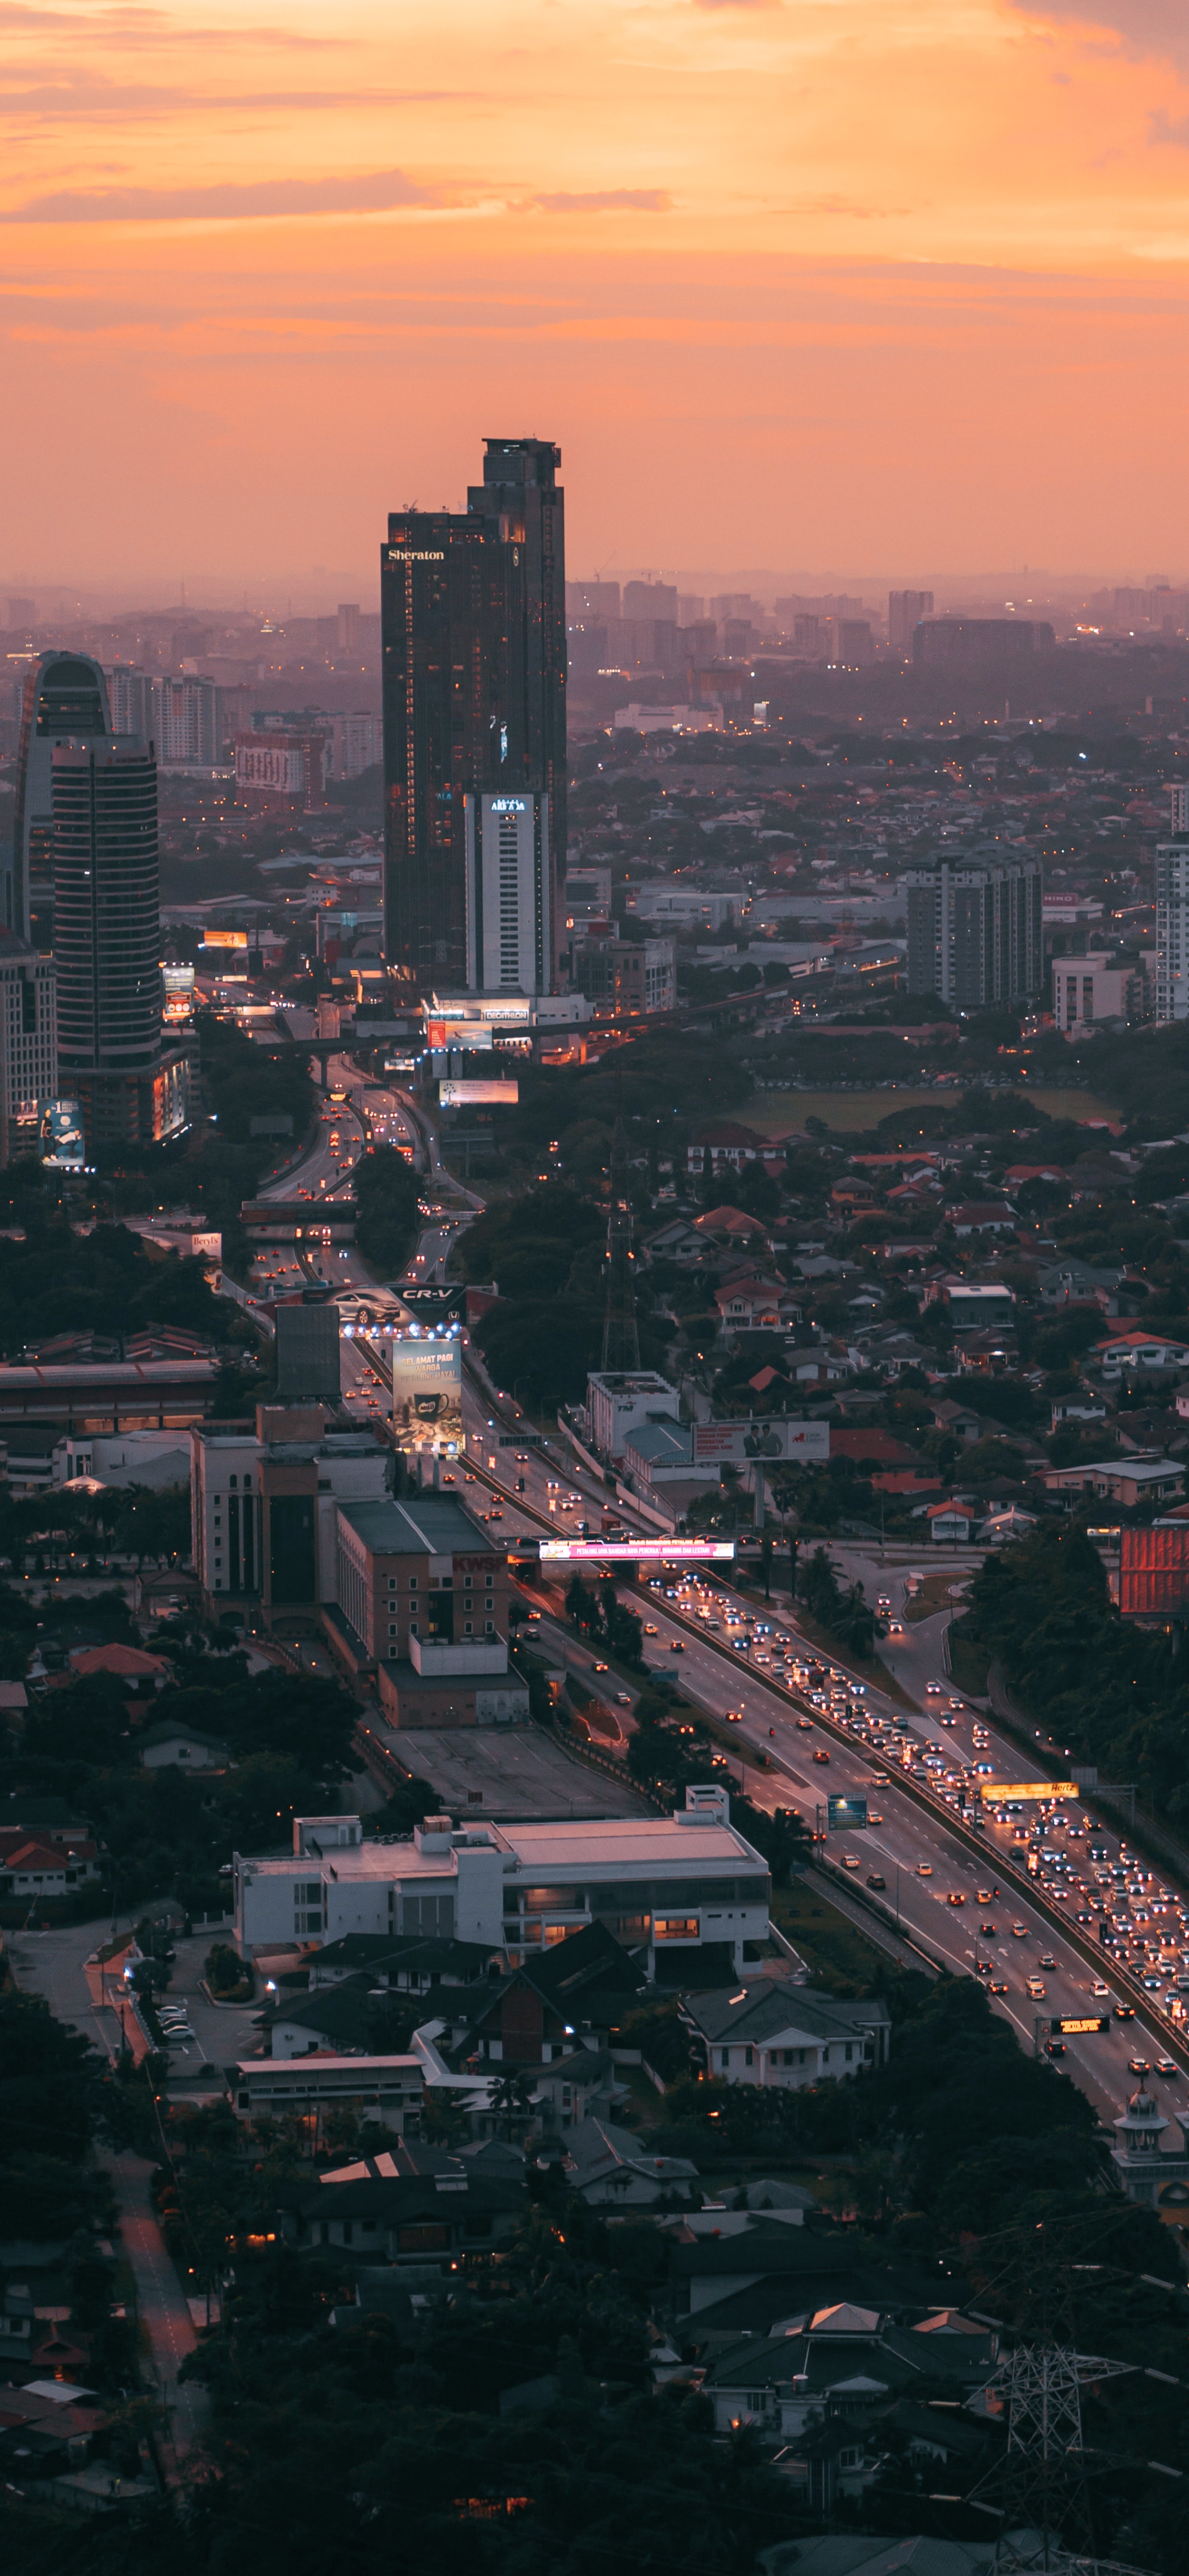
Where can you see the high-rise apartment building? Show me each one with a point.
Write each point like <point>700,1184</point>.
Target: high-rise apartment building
<point>65,695</point>
<point>905,609</point>
<point>474,681</point>
<point>1172,918</point>
<point>107,943</point>
<point>975,930</point>
<point>1180,811</point>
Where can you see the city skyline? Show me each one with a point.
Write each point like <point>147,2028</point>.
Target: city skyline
<point>912,276</point>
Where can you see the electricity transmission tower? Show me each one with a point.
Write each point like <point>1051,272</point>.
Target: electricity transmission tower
<point>621,1339</point>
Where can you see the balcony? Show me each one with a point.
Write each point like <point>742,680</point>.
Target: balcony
<point>470,1655</point>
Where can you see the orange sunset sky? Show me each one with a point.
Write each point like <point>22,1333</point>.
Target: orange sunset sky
<point>813,284</point>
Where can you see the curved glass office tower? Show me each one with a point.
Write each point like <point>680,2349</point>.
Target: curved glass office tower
<point>108,943</point>
<point>65,694</point>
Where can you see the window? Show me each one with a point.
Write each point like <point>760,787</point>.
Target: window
<point>724,2058</point>
<point>426,2239</point>
<point>489,1626</point>
<point>412,1583</point>
<point>233,1481</point>
<point>749,2057</point>
<point>413,1630</point>
<point>467,1626</point>
<point>676,1927</point>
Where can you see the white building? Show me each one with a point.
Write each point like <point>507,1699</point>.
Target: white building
<point>675,1882</point>
<point>152,1458</point>
<point>621,1401</point>
<point>264,1504</point>
<point>1089,989</point>
<point>509,894</point>
<point>773,2033</point>
<point>356,744</point>
<point>185,722</point>
<point>687,906</point>
<point>1172,930</point>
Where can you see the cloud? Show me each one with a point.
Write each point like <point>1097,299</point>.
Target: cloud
<point>1149,27</point>
<point>153,27</point>
<point>1168,129</point>
<point>53,99</point>
<point>366,193</point>
<point>606,201</point>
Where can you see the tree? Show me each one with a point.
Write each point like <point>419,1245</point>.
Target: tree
<point>510,2097</point>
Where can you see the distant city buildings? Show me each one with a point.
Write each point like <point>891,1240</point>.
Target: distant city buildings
<point>905,611</point>
<point>975,930</point>
<point>474,708</point>
<point>107,943</point>
<point>65,697</point>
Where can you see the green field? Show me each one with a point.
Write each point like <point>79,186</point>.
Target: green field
<point>851,1111</point>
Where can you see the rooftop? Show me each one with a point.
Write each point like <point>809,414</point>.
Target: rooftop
<point>421,1525</point>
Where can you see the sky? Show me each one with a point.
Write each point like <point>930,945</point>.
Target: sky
<point>798,283</point>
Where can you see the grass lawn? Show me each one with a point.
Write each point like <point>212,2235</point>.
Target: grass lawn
<point>934,1595</point>
<point>838,1956</point>
<point>850,1111</point>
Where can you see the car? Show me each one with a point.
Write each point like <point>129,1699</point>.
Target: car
<point>850,1860</point>
<point>959,1706</point>
<point>650,1629</point>
<point>924,1869</point>
<point>820,1754</point>
<point>1165,2066</point>
<point>998,1986</point>
<point>1123,2012</point>
<point>1054,2048</point>
<point>734,1714</point>
<point>1099,1987</point>
<point>600,1668</point>
<point>955,1897</point>
<point>1047,1960</point>
<point>805,1726</point>
<point>1035,1987</point>
<point>933,1690</point>
<point>1019,1931</point>
<point>623,1699</point>
<point>876,1879</point>
<point>873,1816</point>
<point>675,1646</point>
<point>988,1931</point>
<point>1138,2066</point>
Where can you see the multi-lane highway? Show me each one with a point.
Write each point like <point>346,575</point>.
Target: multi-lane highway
<point>959,1904</point>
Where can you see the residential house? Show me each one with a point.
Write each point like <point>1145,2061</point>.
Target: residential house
<point>610,2168</point>
<point>988,1216</point>
<point>168,1746</point>
<point>1082,1407</point>
<point>756,1305</point>
<point>383,2092</point>
<point>951,1523</point>
<point>728,1146</point>
<point>848,2358</point>
<point>773,2033</point>
<point>403,1963</point>
<point>412,2207</point>
<point>1076,1283</point>
<point>554,2001</point>
<point>1127,1481</point>
<point>1135,1353</point>
<point>141,1674</point>
<point>32,1867</point>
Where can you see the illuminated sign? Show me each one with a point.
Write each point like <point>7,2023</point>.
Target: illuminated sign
<point>642,1551</point>
<point>846,1814</point>
<point>507,805</point>
<point>225,939</point>
<point>732,1444</point>
<point>465,1095</point>
<point>413,554</point>
<point>1095,2021</point>
<point>427,1393</point>
<point>177,988</point>
<point>1029,1789</point>
<point>60,1134</point>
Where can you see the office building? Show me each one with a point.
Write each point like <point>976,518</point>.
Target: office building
<point>509,887</point>
<point>283,771</point>
<point>107,943</point>
<point>1088,990</point>
<point>592,599</point>
<point>347,636</point>
<point>1172,929</point>
<point>423,1602</point>
<point>356,742</point>
<point>624,979</point>
<point>263,1504</point>
<point>969,643</point>
<point>853,642</point>
<point>309,1354</point>
<point>905,611</point>
<point>130,699</point>
<point>650,599</point>
<point>1180,811</point>
<point>666,1885</point>
<point>474,705</point>
<point>65,696</point>
<point>974,930</point>
<point>28,1039</point>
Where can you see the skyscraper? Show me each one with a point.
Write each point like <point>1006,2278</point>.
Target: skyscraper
<point>65,694</point>
<point>474,678</point>
<point>108,943</point>
<point>975,930</point>
<point>1172,918</point>
<point>905,609</point>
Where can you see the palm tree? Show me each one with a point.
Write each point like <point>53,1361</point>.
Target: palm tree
<point>510,2097</point>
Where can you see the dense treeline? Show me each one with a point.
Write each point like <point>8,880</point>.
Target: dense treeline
<point>1116,1695</point>
<point>386,1198</point>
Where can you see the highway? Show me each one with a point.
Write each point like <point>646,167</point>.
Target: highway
<point>923,1863</point>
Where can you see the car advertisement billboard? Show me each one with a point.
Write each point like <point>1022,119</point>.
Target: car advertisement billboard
<point>735,1444</point>
<point>846,1815</point>
<point>637,1551</point>
<point>177,993</point>
<point>1030,1791</point>
<point>468,1095</point>
<point>60,1135</point>
<point>427,1392</point>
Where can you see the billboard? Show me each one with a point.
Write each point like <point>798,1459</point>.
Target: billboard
<point>637,1551</point>
<point>846,1815</point>
<point>225,939</point>
<point>427,1393</point>
<point>474,1035</point>
<point>733,1444</point>
<point>467,1095</point>
<point>432,1304</point>
<point>177,988</point>
<point>60,1135</point>
<point>1154,1571</point>
<point>1088,2021</point>
<point>1029,1790</point>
